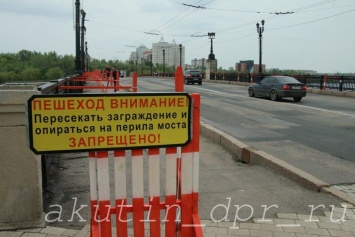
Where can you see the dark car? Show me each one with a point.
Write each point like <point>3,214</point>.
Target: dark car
<point>192,76</point>
<point>277,87</point>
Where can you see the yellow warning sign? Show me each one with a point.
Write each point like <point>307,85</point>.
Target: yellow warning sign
<point>69,123</point>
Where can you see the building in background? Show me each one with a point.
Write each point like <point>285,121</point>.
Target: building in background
<point>256,68</point>
<point>140,54</point>
<point>248,66</point>
<point>172,53</point>
<point>245,66</point>
<point>198,63</point>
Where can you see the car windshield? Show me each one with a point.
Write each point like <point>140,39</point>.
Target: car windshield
<point>285,80</point>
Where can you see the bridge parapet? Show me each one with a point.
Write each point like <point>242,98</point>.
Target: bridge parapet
<point>20,170</point>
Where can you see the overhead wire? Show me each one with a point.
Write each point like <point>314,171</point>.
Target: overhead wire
<point>166,24</point>
<point>187,42</point>
<point>320,19</point>
<point>305,7</point>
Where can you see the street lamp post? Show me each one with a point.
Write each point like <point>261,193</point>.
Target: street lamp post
<point>77,37</point>
<point>211,36</point>
<point>260,30</point>
<point>180,47</point>
<point>83,29</point>
<point>86,56</point>
<point>142,60</point>
<point>164,61</point>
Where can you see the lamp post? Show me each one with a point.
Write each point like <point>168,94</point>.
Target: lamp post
<point>260,30</point>
<point>211,36</point>
<point>142,60</point>
<point>180,47</point>
<point>164,61</point>
<point>83,29</point>
<point>77,37</point>
<point>86,56</point>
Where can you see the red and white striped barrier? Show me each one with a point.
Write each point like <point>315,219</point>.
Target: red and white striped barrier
<point>148,209</point>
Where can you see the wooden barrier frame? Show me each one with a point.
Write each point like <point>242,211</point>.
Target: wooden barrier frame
<point>179,203</point>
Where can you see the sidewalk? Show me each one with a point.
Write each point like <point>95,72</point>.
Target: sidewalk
<point>340,222</point>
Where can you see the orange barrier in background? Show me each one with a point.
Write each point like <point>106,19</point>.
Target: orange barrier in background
<point>103,82</point>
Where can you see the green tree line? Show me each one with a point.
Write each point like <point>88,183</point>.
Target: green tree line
<point>34,66</point>
<point>28,66</point>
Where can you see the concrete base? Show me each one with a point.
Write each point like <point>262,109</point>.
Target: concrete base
<point>211,67</point>
<point>20,169</point>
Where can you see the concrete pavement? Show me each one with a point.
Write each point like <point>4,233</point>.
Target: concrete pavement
<point>282,225</point>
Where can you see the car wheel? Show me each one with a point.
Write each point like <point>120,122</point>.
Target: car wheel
<point>251,92</point>
<point>297,99</point>
<point>273,95</point>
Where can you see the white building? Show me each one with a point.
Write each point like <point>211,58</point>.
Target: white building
<point>172,53</point>
<point>140,54</point>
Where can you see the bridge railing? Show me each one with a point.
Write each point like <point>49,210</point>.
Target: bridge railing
<point>324,82</point>
<point>53,87</point>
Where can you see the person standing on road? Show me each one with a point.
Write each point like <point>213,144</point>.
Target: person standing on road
<point>108,72</point>
<point>115,76</point>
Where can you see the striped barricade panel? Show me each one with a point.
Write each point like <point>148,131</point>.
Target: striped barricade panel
<point>149,210</point>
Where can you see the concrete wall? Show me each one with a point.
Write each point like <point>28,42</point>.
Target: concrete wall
<point>20,169</point>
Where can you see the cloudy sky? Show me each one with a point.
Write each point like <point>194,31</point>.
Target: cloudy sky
<point>310,34</point>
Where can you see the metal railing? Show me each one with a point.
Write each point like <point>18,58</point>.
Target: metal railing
<point>341,83</point>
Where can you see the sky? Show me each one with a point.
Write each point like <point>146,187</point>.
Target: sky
<point>298,34</point>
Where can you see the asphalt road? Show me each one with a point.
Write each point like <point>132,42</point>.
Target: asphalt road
<point>316,135</point>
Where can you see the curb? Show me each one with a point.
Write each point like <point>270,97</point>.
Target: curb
<point>250,155</point>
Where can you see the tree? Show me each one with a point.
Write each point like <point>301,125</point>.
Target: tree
<point>67,64</point>
<point>24,56</point>
<point>31,74</point>
<point>9,76</point>
<point>54,73</point>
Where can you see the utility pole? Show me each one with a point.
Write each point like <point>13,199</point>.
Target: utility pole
<point>83,29</point>
<point>77,37</point>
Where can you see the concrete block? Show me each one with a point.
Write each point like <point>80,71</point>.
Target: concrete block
<point>210,132</point>
<point>340,194</point>
<point>20,169</point>
<point>315,91</point>
<point>326,92</point>
<point>246,154</point>
<point>307,180</point>
<point>339,93</point>
<point>233,145</point>
<point>349,94</point>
